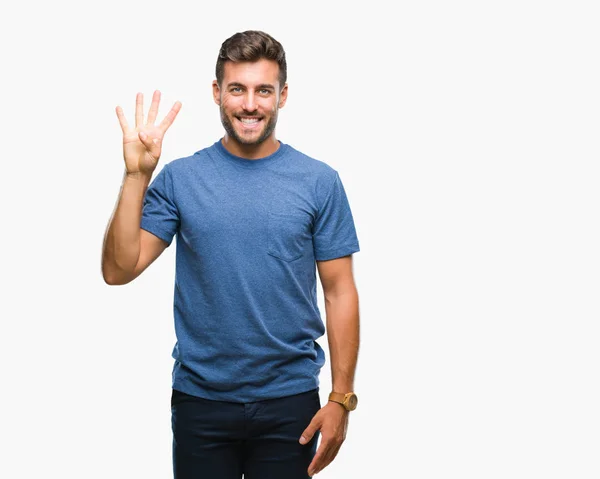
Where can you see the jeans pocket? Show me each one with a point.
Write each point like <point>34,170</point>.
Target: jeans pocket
<point>317,398</point>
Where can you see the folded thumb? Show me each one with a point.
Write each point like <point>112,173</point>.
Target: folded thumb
<point>146,140</point>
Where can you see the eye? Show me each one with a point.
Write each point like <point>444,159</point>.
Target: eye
<point>264,91</point>
<point>235,89</point>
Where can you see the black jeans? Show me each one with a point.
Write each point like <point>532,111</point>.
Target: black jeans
<point>223,440</point>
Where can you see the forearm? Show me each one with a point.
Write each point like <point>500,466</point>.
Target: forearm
<point>121,249</point>
<point>343,334</point>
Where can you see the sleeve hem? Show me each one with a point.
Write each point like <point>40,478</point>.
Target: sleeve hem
<point>158,232</point>
<point>337,253</point>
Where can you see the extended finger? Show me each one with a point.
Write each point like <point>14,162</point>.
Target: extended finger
<point>122,120</point>
<point>139,110</point>
<point>317,462</point>
<point>168,121</point>
<point>330,456</point>
<point>153,108</point>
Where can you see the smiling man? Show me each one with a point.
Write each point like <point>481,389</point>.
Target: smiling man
<point>249,110</point>
<point>254,219</point>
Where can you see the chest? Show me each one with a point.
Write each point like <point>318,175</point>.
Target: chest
<point>275,215</point>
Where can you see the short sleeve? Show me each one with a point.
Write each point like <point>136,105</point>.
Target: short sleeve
<point>334,233</point>
<point>160,215</point>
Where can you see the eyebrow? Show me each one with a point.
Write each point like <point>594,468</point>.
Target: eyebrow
<point>258,87</point>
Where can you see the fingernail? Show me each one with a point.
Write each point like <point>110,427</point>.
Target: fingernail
<point>302,440</point>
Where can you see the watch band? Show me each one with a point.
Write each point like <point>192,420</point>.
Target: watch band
<point>348,400</point>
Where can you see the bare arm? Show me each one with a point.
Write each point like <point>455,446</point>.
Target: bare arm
<point>343,329</point>
<point>341,303</point>
<point>128,250</point>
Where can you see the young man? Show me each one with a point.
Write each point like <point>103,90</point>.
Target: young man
<point>253,216</point>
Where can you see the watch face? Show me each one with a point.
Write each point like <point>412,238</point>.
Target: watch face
<point>352,402</point>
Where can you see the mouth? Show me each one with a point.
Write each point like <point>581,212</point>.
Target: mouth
<point>249,122</point>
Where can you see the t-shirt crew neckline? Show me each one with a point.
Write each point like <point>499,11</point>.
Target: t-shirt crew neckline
<point>247,163</point>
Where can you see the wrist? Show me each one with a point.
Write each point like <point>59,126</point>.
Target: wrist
<point>137,178</point>
<point>339,404</point>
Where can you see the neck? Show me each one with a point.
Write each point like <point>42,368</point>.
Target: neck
<point>251,152</point>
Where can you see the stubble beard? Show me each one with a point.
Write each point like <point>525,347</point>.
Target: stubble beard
<point>232,133</point>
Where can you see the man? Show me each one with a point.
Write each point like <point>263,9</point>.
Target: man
<point>253,216</point>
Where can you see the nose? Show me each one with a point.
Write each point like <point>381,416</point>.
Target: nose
<point>250,104</point>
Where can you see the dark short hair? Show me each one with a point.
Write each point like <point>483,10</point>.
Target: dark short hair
<point>251,46</point>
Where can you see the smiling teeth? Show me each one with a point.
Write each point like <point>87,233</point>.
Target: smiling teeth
<point>249,120</point>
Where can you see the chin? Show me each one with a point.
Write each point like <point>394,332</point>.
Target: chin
<point>255,139</point>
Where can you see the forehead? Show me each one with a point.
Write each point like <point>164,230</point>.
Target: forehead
<point>251,73</point>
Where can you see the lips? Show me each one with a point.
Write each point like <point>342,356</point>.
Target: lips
<point>249,121</point>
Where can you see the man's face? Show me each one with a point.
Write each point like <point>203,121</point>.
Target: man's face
<point>249,99</point>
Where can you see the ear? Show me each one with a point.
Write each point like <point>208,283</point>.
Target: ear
<point>216,92</point>
<point>283,96</point>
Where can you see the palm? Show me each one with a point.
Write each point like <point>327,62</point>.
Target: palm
<point>142,156</point>
<point>138,158</point>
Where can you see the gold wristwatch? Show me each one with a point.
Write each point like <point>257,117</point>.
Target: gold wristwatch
<point>348,400</point>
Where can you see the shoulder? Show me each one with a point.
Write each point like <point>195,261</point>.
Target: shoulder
<point>182,165</point>
<point>318,170</point>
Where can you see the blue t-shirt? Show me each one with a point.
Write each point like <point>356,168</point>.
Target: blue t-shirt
<point>245,299</point>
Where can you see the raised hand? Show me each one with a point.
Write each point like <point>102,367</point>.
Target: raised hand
<point>142,145</point>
